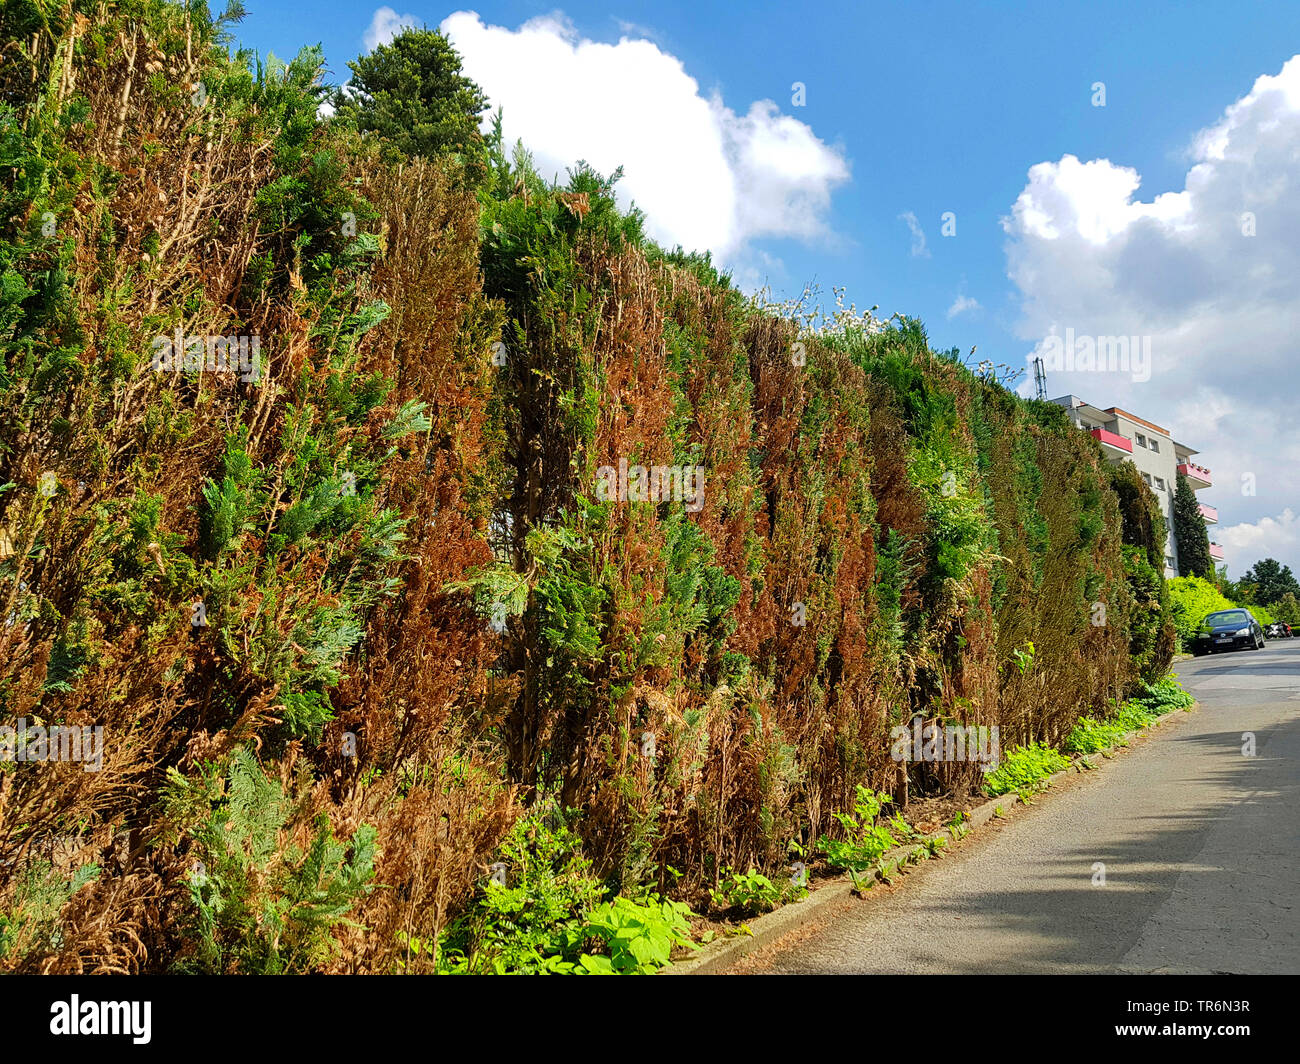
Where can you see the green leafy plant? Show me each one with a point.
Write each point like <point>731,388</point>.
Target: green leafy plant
<point>1091,735</point>
<point>901,829</point>
<point>865,842</point>
<point>525,925</point>
<point>748,894</point>
<point>1164,695</point>
<point>637,937</point>
<point>1023,657</point>
<point>1192,598</point>
<point>1024,768</point>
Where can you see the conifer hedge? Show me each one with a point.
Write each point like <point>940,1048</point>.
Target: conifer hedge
<point>344,617</point>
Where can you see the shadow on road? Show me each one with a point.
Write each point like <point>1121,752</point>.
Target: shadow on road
<point>1217,852</point>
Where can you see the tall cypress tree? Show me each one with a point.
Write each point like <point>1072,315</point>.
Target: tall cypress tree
<point>1189,533</point>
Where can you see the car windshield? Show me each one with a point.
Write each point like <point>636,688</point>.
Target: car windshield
<point>1215,620</point>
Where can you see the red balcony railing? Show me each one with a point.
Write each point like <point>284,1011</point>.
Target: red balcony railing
<point>1210,514</point>
<point>1110,439</point>
<point>1198,474</point>
<point>1216,552</point>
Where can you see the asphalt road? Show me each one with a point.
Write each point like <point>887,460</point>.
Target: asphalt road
<point>1201,847</point>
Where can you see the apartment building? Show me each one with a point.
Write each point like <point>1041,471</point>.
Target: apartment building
<point>1125,437</point>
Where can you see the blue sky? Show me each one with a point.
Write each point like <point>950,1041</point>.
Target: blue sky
<point>922,108</point>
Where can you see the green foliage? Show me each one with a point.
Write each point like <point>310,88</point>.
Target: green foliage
<point>746,895</point>
<point>568,595</point>
<point>1192,599</point>
<point>230,503</point>
<point>525,926</point>
<point>865,841</point>
<point>1152,627</point>
<point>1023,657</point>
<point>1152,700</point>
<point>498,591</point>
<point>1091,736</point>
<point>411,92</point>
<point>892,575</point>
<point>637,938</point>
<point>261,906</point>
<point>549,917</point>
<point>31,922</point>
<point>1162,696</point>
<point>1287,609</point>
<point>1152,636</point>
<point>1143,522</point>
<point>1024,769</point>
<point>955,506</point>
<point>698,596</point>
<point>1268,582</point>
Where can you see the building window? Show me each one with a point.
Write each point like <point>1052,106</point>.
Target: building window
<point>1147,478</point>
<point>1160,483</point>
<point>1155,445</point>
<point>1169,562</point>
<point>1141,440</point>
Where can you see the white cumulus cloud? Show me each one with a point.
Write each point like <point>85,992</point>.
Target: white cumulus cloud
<point>962,305</point>
<point>708,177</point>
<point>384,26</point>
<point>1269,537</point>
<point>1211,274</point>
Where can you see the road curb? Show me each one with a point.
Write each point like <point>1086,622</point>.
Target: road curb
<point>724,953</point>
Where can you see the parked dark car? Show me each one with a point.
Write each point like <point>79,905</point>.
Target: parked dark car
<point>1228,630</point>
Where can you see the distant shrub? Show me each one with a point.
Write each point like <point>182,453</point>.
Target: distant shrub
<point>1193,598</point>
